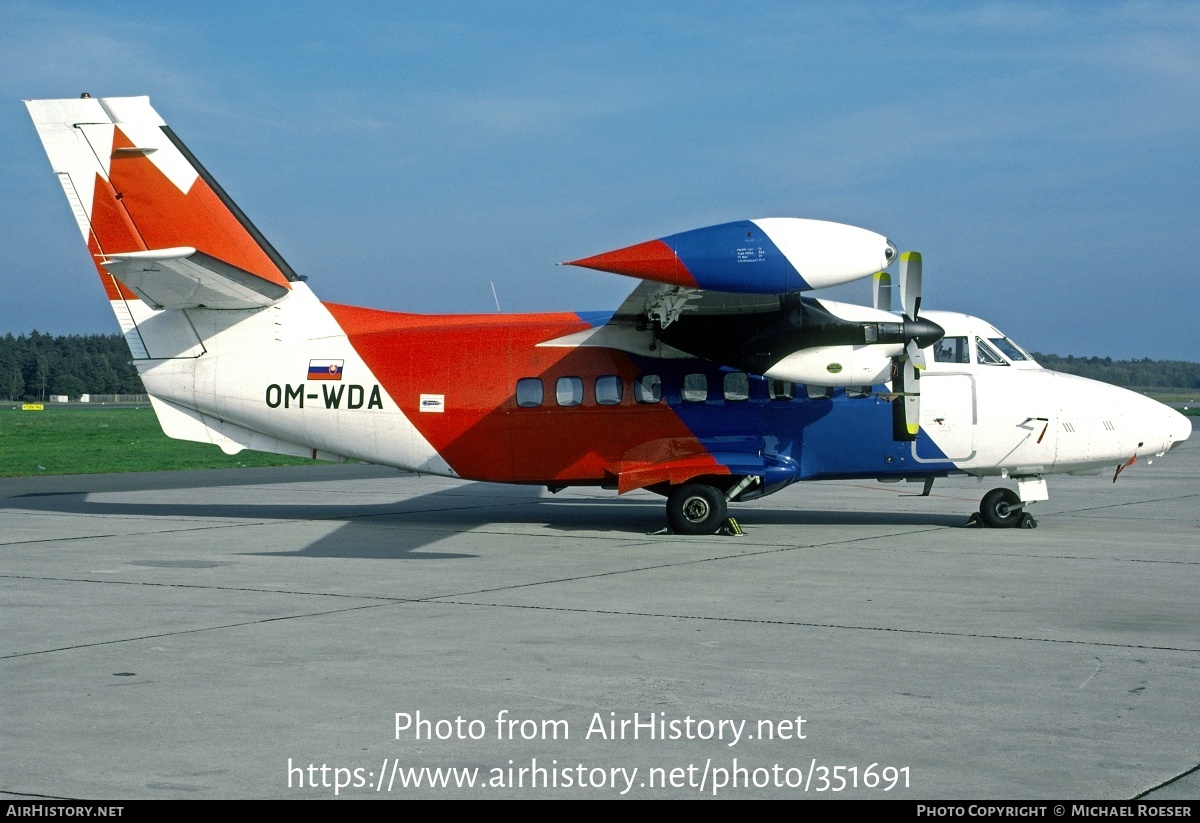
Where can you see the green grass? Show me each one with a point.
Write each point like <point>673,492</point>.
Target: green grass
<point>1173,395</point>
<point>73,440</point>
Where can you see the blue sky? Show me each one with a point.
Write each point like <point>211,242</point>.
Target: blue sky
<point>1043,157</point>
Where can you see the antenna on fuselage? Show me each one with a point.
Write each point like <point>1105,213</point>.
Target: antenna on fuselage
<point>494,297</point>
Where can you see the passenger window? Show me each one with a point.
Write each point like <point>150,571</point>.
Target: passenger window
<point>529,392</point>
<point>695,388</point>
<point>736,386</point>
<point>952,350</point>
<point>986,355</point>
<point>609,390</point>
<point>647,388</point>
<point>818,392</point>
<point>569,391</point>
<point>781,390</point>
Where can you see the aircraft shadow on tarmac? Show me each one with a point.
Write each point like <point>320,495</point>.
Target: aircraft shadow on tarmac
<point>399,530</point>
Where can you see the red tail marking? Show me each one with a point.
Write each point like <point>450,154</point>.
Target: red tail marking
<point>166,218</point>
<point>112,232</point>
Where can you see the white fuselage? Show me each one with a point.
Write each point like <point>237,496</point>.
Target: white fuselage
<point>1002,414</point>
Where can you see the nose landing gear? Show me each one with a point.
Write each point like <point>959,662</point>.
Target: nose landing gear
<point>1003,509</point>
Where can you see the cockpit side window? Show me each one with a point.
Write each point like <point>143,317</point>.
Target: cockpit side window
<point>952,350</point>
<point>986,355</point>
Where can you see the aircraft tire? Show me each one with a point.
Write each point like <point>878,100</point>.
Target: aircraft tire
<point>696,508</point>
<point>998,509</point>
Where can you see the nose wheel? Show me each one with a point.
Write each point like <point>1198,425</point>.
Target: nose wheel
<point>1001,509</point>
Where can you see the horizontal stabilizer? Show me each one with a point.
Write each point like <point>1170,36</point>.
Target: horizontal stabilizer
<point>184,278</point>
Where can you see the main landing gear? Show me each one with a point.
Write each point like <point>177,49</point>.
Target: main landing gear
<point>696,508</point>
<point>700,507</point>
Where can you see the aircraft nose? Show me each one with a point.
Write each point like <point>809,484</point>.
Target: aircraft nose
<point>1179,429</point>
<point>1163,431</point>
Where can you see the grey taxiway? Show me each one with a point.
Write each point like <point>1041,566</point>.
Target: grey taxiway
<point>275,633</point>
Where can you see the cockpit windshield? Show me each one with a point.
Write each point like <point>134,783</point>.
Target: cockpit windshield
<point>985,355</point>
<point>1010,349</point>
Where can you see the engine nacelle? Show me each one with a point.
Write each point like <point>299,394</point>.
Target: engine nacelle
<point>773,255</point>
<point>837,365</point>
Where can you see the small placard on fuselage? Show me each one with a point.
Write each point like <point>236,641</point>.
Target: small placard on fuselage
<point>433,403</point>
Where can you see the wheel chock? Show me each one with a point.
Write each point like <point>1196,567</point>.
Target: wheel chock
<point>732,528</point>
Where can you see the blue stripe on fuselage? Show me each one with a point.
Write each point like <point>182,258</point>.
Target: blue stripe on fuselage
<point>800,439</point>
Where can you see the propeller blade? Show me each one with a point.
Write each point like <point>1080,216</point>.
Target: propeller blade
<point>912,399</point>
<point>910,283</point>
<point>881,291</point>
<point>916,354</point>
<point>907,368</point>
<point>906,408</point>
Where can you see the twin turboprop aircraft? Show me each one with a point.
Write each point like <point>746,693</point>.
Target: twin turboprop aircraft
<point>718,380</point>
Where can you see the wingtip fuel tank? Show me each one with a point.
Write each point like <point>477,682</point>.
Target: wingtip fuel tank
<point>772,255</point>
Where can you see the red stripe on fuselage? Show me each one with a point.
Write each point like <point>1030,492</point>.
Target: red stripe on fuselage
<point>475,362</point>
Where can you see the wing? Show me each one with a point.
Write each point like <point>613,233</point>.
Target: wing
<point>733,294</point>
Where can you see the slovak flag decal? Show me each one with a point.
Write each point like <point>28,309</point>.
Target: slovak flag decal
<point>325,369</point>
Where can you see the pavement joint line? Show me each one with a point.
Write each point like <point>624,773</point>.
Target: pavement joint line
<point>16,793</point>
<point>635,536</point>
<point>455,598</point>
<point>199,630</point>
<point>150,583</point>
<point>1167,782</point>
<point>457,601</point>
<point>813,625</point>
<point>207,525</point>
<point>1173,499</point>
<point>149,533</point>
<point>656,566</point>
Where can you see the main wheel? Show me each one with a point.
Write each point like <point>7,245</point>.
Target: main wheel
<point>1000,509</point>
<point>696,508</point>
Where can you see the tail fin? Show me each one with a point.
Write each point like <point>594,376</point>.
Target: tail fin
<point>161,231</point>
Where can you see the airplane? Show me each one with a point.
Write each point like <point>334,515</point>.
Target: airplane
<point>717,381</point>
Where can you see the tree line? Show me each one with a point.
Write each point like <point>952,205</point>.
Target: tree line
<point>35,366</point>
<point>1131,374</point>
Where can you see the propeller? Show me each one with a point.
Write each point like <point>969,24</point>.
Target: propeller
<point>907,367</point>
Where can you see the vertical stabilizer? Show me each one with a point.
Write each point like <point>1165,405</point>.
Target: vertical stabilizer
<point>164,236</point>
